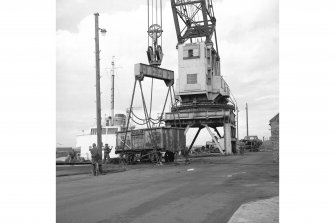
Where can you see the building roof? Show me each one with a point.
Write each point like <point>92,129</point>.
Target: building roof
<point>275,118</point>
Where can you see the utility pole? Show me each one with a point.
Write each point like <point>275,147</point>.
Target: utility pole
<point>112,92</point>
<point>97,85</point>
<point>246,109</point>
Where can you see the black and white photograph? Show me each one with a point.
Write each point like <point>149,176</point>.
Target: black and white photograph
<point>179,111</point>
<point>167,111</point>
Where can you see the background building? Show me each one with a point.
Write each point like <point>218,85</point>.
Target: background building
<point>274,123</point>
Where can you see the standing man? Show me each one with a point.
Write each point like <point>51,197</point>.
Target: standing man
<point>96,160</point>
<point>107,150</point>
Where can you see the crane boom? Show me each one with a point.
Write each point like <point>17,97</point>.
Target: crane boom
<point>196,17</point>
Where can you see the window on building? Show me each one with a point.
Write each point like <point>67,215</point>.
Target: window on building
<point>93,131</point>
<point>103,131</point>
<point>209,73</point>
<point>111,130</point>
<point>190,53</point>
<point>192,78</point>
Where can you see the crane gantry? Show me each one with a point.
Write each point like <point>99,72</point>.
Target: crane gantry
<point>204,96</point>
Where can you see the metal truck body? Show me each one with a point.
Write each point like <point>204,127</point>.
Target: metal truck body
<point>162,138</point>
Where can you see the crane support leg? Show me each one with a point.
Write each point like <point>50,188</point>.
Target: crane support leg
<point>217,131</point>
<point>186,130</point>
<point>195,137</point>
<point>227,138</point>
<point>215,140</point>
<point>130,108</point>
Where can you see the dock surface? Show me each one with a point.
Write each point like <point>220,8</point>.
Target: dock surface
<point>210,189</point>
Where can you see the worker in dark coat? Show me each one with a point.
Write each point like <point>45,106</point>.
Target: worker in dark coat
<point>96,160</point>
<point>107,150</point>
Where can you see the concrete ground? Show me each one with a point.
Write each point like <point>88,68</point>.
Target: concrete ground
<point>262,211</point>
<point>65,170</point>
<point>210,189</point>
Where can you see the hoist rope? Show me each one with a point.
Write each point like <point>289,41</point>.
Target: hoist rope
<point>174,116</point>
<point>145,111</point>
<point>152,19</point>
<point>155,121</point>
<point>148,22</point>
<point>161,25</point>
<point>167,95</point>
<point>146,121</point>
<point>141,119</point>
<point>137,122</point>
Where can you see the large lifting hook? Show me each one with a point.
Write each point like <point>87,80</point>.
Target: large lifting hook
<point>155,52</point>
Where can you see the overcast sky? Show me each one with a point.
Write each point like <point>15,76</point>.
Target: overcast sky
<point>248,42</point>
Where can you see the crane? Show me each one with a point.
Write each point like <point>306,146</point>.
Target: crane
<point>203,95</point>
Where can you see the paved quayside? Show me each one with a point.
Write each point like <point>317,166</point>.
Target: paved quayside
<point>211,192</point>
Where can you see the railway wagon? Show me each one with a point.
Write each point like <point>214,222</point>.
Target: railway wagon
<point>141,143</point>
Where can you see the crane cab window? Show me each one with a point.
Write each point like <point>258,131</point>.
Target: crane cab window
<point>191,52</point>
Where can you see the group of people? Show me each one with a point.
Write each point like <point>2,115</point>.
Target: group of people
<point>97,158</point>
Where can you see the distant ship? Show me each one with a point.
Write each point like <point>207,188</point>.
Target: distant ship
<point>88,137</point>
<point>112,124</point>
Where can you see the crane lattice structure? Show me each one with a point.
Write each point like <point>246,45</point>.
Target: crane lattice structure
<point>196,17</point>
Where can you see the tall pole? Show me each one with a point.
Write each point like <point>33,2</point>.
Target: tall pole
<point>237,122</point>
<point>112,92</point>
<point>97,73</point>
<point>246,109</point>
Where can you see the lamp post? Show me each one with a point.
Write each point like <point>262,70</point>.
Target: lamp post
<point>97,66</point>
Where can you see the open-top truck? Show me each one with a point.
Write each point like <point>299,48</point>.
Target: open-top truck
<point>143,144</point>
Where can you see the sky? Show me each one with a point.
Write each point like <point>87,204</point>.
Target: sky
<point>248,41</point>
